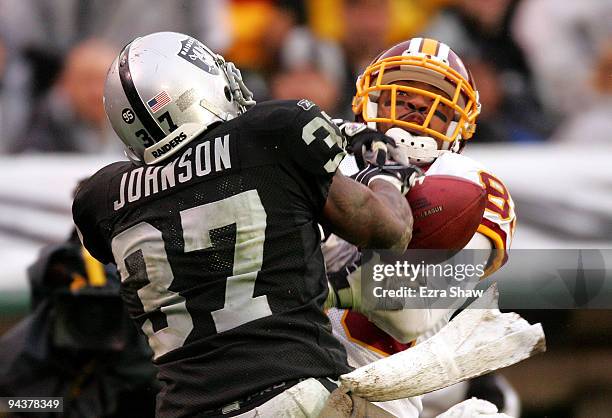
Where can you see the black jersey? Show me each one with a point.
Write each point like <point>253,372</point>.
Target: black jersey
<point>219,254</point>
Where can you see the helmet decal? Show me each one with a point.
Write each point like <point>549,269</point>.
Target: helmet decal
<point>186,99</point>
<point>128,116</point>
<point>194,52</point>
<point>158,102</point>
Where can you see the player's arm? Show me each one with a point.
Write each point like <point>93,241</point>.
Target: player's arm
<point>404,325</point>
<point>376,216</point>
<point>484,247</point>
<point>408,324</point>
<point>85,208</point>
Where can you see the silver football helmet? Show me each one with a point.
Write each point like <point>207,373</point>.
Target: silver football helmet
<point>166,88</point>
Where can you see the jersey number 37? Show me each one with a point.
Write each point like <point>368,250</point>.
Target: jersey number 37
<point>144,243</point>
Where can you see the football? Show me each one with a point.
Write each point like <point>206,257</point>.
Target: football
<point>447,211</point>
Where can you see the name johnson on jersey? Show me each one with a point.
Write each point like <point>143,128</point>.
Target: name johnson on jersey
<point>146,181</point>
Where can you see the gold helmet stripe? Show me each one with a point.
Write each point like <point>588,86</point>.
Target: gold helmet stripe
<point>430,46</point>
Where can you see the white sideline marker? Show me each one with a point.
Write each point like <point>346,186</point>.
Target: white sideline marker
<point>477,341</point>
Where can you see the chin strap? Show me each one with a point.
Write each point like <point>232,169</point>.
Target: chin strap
<point>411,149</point>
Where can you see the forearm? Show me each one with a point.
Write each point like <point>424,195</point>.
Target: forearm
<point>377,217</point>
<point>394,217</point>
<point>406,325</point>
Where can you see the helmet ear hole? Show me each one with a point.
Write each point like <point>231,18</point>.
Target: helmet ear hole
<point>228,93</point>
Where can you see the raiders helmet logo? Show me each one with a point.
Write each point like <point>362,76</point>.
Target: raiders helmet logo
<point>195,53</point>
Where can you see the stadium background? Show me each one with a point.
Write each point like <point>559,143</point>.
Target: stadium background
<point>543,69</point>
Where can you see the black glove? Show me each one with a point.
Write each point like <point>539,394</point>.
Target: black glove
<point>358,137</point>
<point>404,177</point>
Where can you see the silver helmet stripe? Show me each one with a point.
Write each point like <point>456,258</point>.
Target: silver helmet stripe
<point>149,123</point>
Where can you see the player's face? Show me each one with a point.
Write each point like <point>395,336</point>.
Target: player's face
<point>413,107</point>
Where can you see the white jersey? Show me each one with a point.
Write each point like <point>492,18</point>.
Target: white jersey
<point>364,341</point>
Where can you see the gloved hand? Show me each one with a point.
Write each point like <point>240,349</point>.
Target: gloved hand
<point>404,177</point>
<point>362,139</point>
<point>473,408</point>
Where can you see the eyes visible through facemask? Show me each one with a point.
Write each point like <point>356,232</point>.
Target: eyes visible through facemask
<point>435,94</point>
<point>409,102</point>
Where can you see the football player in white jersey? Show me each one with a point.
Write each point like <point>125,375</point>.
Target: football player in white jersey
<point>420,93</point>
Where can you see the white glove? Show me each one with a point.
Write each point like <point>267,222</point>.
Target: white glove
<point>473,408</point>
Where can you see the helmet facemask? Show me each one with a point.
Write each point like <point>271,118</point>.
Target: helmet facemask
<point>460,96</point>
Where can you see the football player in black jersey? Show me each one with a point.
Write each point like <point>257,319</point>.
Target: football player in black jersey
<point>213,225</point>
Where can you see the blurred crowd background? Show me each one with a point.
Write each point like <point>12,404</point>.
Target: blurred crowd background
<point>542,66</point>
<point>543,69</point>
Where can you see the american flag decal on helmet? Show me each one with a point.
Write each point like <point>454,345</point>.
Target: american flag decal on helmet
<point>159,101</point>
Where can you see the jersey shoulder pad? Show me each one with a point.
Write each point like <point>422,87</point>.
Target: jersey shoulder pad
<point>452,164</point>
<point>94,188</point>
<point>308,136</point>
<point>276,114</point>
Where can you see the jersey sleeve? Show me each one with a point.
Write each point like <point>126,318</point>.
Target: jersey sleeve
<point>314,147</point>
<point>88,217</point>
<point>499,219</point>
<point>305,142</point>
<point>317,144</point>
